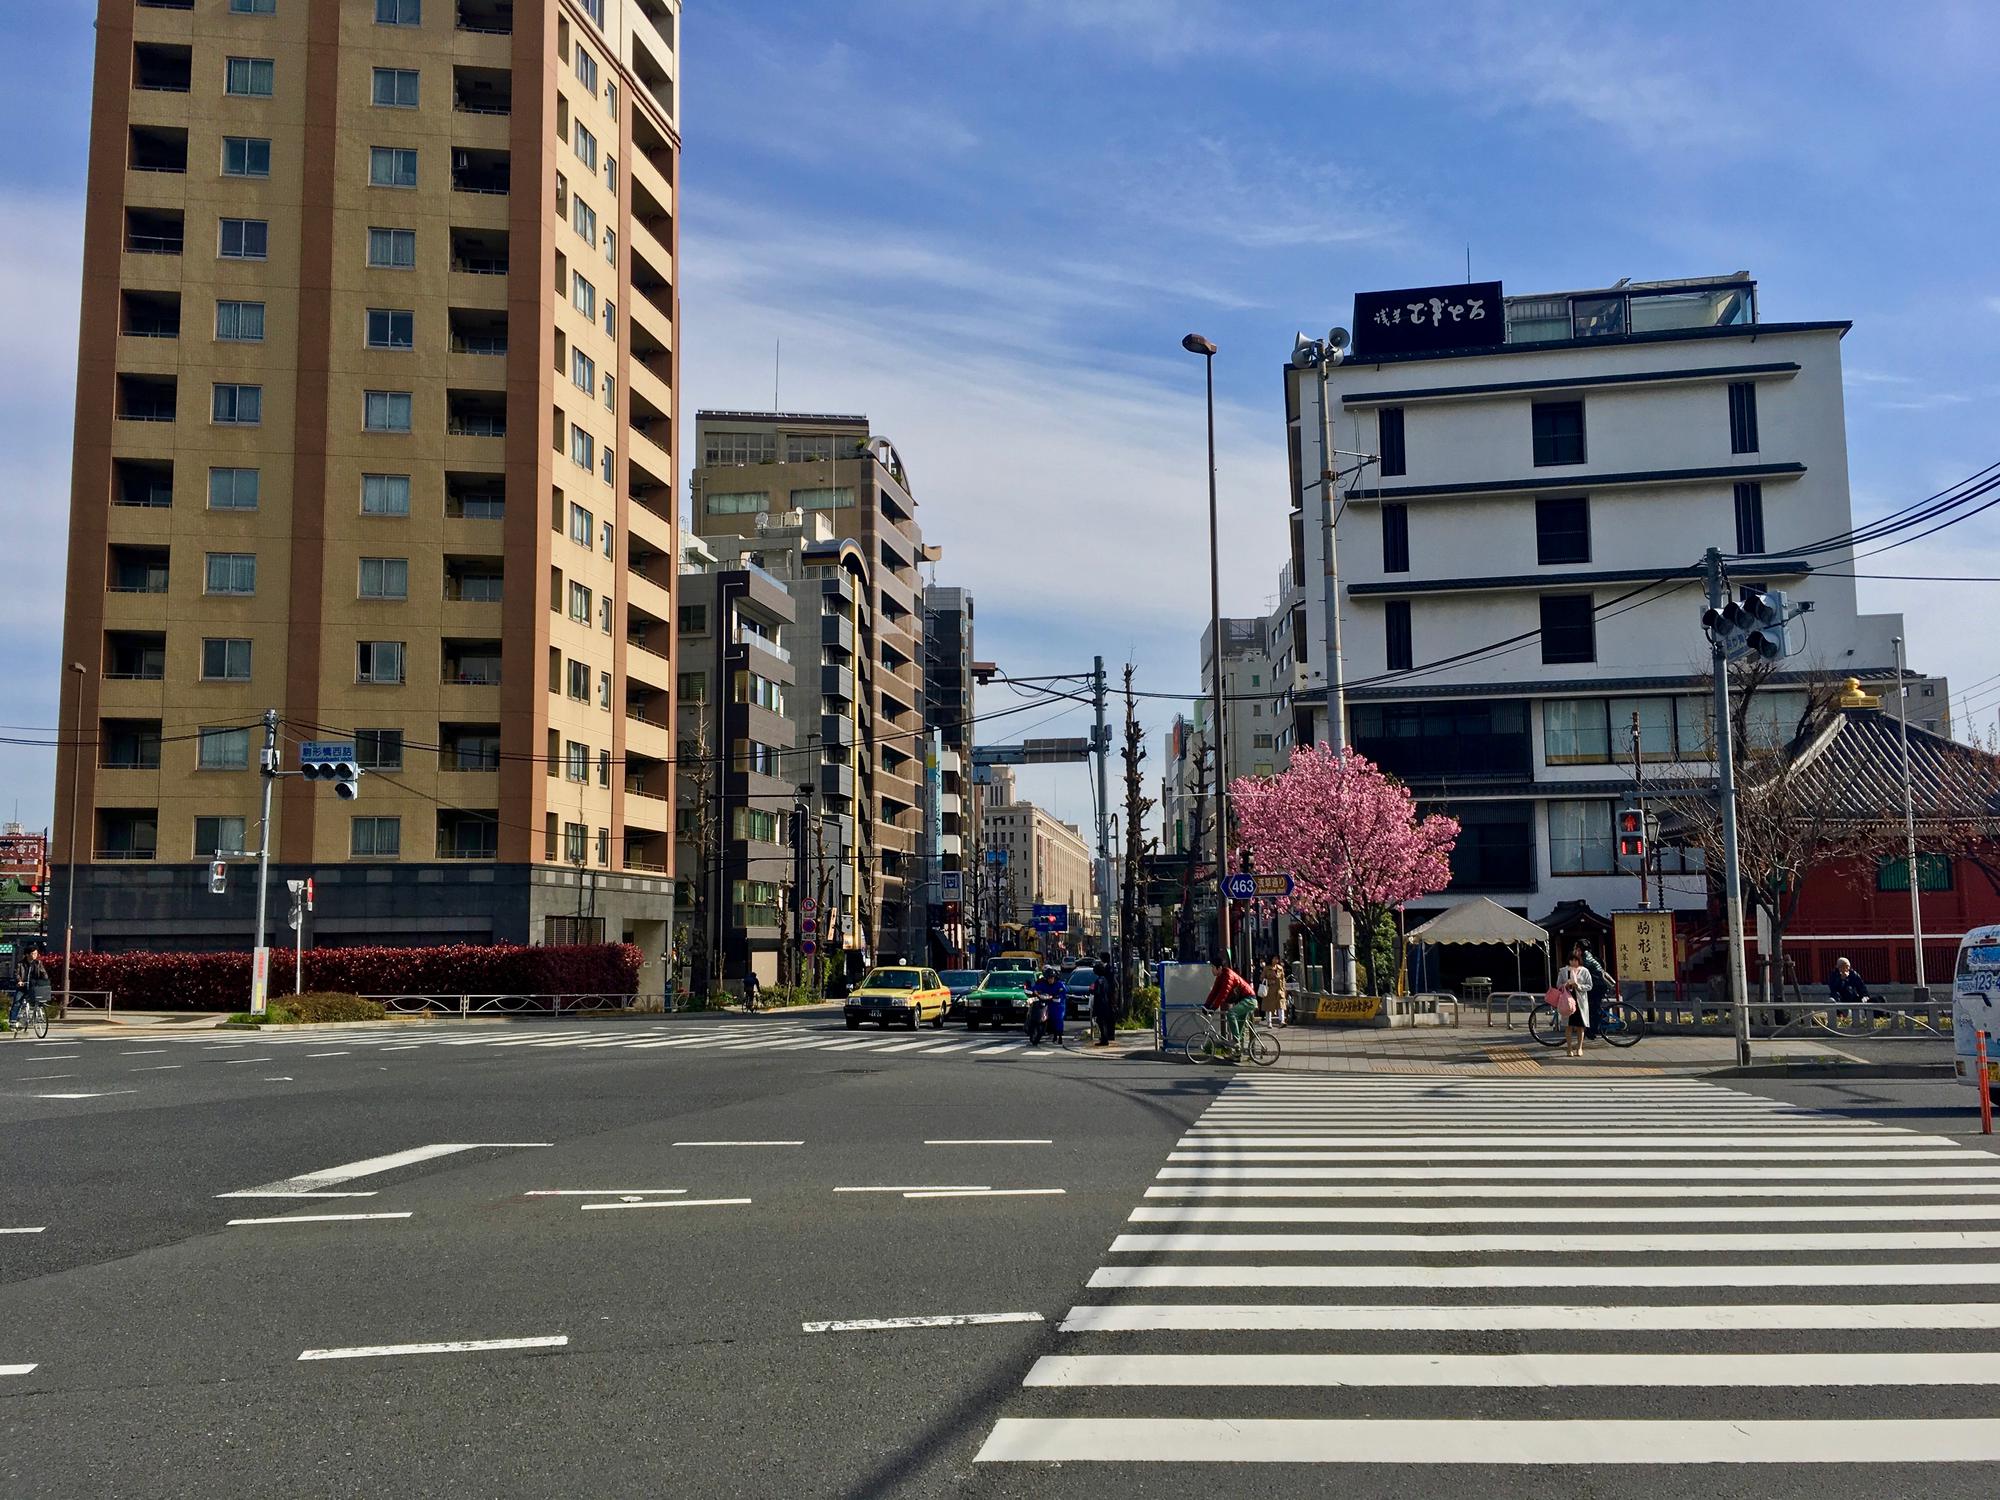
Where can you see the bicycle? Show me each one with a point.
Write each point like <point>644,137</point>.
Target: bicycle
<point>1618,1023</point>
<point>1204,1033</point>
<point>28,1015</point>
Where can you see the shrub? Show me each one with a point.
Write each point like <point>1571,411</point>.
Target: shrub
<point>319,1008</point>
<point>1142,1008</point>
<point>221,981</point>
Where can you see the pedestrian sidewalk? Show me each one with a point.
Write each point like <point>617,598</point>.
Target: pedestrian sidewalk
<point>1479,1050</point>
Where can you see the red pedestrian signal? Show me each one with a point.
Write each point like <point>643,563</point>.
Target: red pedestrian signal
<point>1631,833</point>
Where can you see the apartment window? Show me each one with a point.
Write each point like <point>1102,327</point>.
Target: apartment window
<point>378,749</point>
<point>379,662</point>
<point>579,681</point>
<point>586,147</point>
<point>225,659</point>
<point>736,504</point>
<point>604,613</point>
<point>1742,416</point>
<point>576,842</point>
<point>385,494</point>
<point>250,77</point>
<point>611,97</point>
<point>1562,531</point>
<point>579,602</point>
<point>223,750</point>
<point>1749,518</point>
<point>1576,732</point>
<point>218,836</point>
<point>1580,838</point>
<point>391,328</point>
<point>582,450</point>
<point>1389,439</point>
<point>610,393</point>
<point>1395,537</point>
<point>245,156</point>
<point>692,687</point>
<point>244,239</point>
<point>583,219</point>
<point>396,88</point>
<point>254,7</point>
<point>375,838</point>
<point>232,489</point>
<point>583,294</point>
<point>387,411</point>
<point>596,10</point>
<point>1558,427</point>
<point>399,12</point>
<point>392,249</point>
<point>608,464</point>
<point>1569,632</point>
<point>611,162</point>
<point>562,200</point>
<point>694,619</point>
<point>586,70</point>
<point>583,371</point>
<point>740,448</point>
<point>392,166</point>
<point>236,405</point>
<point>385,578</point>
<point>604,701</point>
<point>1396,635</point>
<point>610,318</point>
<point>607,534</point>
<point>837,497</point>
<point>555,686</point>
<point>239,322</point>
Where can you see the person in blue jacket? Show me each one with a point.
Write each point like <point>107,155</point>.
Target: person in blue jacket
<point>1049,990</point>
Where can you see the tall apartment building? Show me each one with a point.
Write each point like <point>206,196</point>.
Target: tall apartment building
<point>757,464</point>
<point>739,772</point>
<point>949,715</point>
<point>827,580</point>
<point>1046,861</point>
<point>376,390</point>
<point>1551,468</point>
<point>1250,717</point>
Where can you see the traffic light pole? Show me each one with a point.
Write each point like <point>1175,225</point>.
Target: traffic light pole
<point>1725,791</point>
<point>1100,694</point>
<point>260,956</point>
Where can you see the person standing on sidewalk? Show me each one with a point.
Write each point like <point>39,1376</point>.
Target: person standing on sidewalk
<point>1271,993</point>
<point>1575,979</point>
<point>1603,988</point>
<point>1058,1003</point>
<point>1104,1000</point>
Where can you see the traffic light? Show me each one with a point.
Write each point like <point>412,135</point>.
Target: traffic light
<point>1631,834</point>
<point>218,877</point>
<point>1754,625</point>
<point>344,774</point>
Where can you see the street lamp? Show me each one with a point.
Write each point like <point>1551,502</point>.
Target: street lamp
<point>1194,343</point>
<point>75,779</point>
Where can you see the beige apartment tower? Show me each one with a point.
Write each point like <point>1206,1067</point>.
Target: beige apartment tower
<point>377,388</point>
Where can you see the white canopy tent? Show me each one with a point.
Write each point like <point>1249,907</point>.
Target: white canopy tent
<point>1480,921</point>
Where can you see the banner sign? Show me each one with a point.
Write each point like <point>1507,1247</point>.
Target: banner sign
<point>1347,1007</point>
<point>1423,319</point>
<point>1644,941</point>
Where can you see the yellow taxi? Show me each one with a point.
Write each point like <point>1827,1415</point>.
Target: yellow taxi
<point>899,993</point>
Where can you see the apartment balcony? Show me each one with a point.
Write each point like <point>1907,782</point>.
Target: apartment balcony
<point>469,670</point>
<point>158,148</point>
<point>836,781</point>
<point>475,414</point>
<point>644,447</point>
<point>147,398</point>
<point>468,833</point>
<point>648,735</point>
<point>645,594</point>
<point>469,749</point>
<point>155,231</point>
<point>653,314</point>
<point>479,334</point>
<point>837,632</point>
<point>137,570</point>
<point>142,484</point>
<point>645,853</point>
<point>480,498</point>
<point>126,833</point>
<point>481,171</point>
<point>836,731</point>
<point>645,527</point>
<point>651,369</point>
<point>479,264</point>
<point>135,656</point>
<point>128,745</point>
<point>150,315</point>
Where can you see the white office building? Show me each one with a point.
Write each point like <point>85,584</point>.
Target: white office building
<point>1547,476</point>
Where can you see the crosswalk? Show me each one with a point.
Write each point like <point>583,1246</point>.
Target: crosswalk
<point>1454,1277</point>
<point>815,1035</point>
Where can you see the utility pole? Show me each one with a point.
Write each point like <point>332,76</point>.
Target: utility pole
<point>1336,691</point>
<point>1725,791</point>
<point>1647,854</point>
<point>1099,697</point>
<point>260,957</point>
<point>1923,994</point>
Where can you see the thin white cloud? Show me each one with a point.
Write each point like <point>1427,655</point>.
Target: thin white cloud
<point>1992,305</point>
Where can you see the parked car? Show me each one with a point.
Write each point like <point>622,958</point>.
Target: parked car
<point>904,994</point>
<point>961,983</point>
<point>1079,984</point>
<point>999,1000</point>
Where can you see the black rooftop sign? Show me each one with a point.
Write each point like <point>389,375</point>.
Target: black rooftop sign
<point>1422,319</point>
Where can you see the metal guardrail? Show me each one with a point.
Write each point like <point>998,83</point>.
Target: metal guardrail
<point>83,1000</point>
<point>1890,1020</point>
<point>513,1005</point>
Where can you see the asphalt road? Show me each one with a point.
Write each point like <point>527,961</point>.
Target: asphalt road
<point>1743,1271</point>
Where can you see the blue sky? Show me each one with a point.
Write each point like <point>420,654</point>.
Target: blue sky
<point>987,225</point>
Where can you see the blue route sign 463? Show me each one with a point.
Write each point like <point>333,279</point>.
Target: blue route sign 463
<point>1261,885</point>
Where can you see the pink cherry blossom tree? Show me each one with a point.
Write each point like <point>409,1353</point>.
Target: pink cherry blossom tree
<point>1349,835</point>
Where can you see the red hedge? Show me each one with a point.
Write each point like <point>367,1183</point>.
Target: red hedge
<point>221,981</point>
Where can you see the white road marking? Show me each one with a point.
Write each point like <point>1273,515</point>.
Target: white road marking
<point>26,1229</point>
<point>739,1143</point>
<point>104,1094</point>
<point>230,1062</point>
<point>1272,1317</point>
<point>600,1192</point>
<point>1501,1158</point>
<point>1591,1440</point>
<point>1517,1371</point>
<point>1950,1191</point>
<point>986,1192</point>
<point>1550,1244</point>
<point>318,1219</point>
<point>945,1320</point>
<point>1582,1213</point>
<point>279,1193</point>
<point>941,1188</point>
<point>1204,1140</point>
<point>456,1346</point>
<point>929,1041</point>
<point>281,1078</point>
<point>341,1053</point>
<point>16,1369</point>
<point>156,1068</point>
<point>406,1047</point>
<point>333,1176</point>
<point>996,1142</point>
<point>668,1203</point>
<point>143,1052</point>
<point>1579,1173</point>
<point>1431,1278</point>
<point>42,1077</point>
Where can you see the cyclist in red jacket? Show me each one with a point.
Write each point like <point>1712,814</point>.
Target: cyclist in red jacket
<point>1233,995</point>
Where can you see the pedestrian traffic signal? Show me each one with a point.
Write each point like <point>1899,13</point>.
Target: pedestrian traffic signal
<point>218,877</point>
<point>1631,834</point>
<point>1754,625</point>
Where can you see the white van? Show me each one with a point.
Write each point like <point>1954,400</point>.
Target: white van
<point>1975,1005</point>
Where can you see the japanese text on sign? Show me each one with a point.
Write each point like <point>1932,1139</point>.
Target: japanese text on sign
<point>1429,317</point>
<point>1645,944</point>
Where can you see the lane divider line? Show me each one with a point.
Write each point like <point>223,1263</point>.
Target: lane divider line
<point>288,1193</point>
<point>944,1320</point>
<point>957,1187</point>
<point>600,1192</point>
<point>317,1219</point>
<point>991,1143</point>
<point>668,1203</point>
<point>454,1346</point>
<point>739,1143</point>
<point>985,1192</point>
